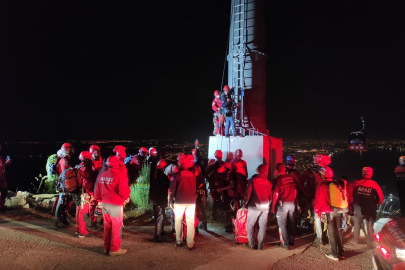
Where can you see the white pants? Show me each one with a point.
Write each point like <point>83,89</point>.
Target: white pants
<point>189,210</point>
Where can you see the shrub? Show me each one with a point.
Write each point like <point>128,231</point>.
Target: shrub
<point>140,190</point>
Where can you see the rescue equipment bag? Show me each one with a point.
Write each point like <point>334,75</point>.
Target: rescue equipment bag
<point>239,226</point>
<point>338,196</point>
<point>68,179</point>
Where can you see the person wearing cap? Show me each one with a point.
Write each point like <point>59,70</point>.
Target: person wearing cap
<point>159,187</point>
<point>113,190</point>
<point>3,181</point>
<point>284,195</point>
<point>182,200</point>
<point>400,176</point>
<point>86,178</point>
<point>367,194</point>
<point>257,201</point>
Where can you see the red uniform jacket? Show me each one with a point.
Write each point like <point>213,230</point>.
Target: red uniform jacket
<point>112,187</point>
<point>97,164</point>
<point>86,177</point>
<point>216,104</point>
<point>62,165</point>
<point>322,198</point>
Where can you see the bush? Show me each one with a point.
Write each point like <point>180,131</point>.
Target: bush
<point>140,190</point>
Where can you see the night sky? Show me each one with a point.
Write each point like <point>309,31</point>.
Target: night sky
<point>148,69</point>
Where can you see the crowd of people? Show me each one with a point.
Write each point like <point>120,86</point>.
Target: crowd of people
<point>97,185</point>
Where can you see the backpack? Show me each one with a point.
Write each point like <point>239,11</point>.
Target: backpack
<point>338,196</point>
<point>51,168</point>
<point>68,179</point>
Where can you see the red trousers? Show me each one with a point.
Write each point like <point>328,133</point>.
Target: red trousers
<point>80,222</point>
<point>113,218</point>
<point>92,210</point>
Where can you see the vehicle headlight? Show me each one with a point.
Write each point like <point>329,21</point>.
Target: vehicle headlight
<point>400,253</point>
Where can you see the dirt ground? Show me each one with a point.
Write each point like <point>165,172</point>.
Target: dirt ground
<point>29,240</point>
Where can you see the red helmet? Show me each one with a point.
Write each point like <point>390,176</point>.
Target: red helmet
<point>226,88</point>
<point>326,172</point>
<point>186,162</point>
<point>218,154</point>
<point>85,155</point>
<point>180,156</point>
<point>113,162</point>
<point>216,93</point>
<point>94,147</point>
<point>194,152</point>
<point>119,148</point>
<point>325,161</point>
<point>152,151</point>
<point>238,153</point>
<point>143,151</point>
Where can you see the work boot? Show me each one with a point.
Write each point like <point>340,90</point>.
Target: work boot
<point>106,252</point>
<point>281,245</point>
<point>121,251</point>
<point>318,242</point>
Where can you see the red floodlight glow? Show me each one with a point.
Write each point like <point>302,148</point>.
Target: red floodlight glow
<point>377,237</point>
<point>384,252</point>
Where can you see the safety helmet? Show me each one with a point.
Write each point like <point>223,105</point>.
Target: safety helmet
<point>238,153</point>
<point>402,159</point>
<point>66,146</point>
<point>152,151</point>
<point>121,155</point>
<point>161,164</point>
<point>85,155</point>
<point>113,162</point>
<point>186,162</point>
<point>143,151</point>
<point>317,159</point>
<point>367,172</point>
<point>194,152</point>
<point>325,161</point>
<point>94,147</point>
<point>218,154</point>
<point>180,156</point>
<point>119,148</point>
<point>290,160</point>
<point>226,88</point>
<point>326,172</point>
<point>216,93</point>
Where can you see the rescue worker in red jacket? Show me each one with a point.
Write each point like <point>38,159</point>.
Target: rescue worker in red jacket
<point>400,176</point>
<point>113,190</point>
<point>334,220</point>
<point>64,201</point>
<point>258,199</point>
<point>182,200</point>
<point>239,174</point>
<point>284,195</point>
<point>3,180</point>
<point>218,116</point>
<point>367,194</point>
<point>86,178</point>
<point>96,157</point>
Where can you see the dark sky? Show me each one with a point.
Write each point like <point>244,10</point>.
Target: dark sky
<point>148,69</point>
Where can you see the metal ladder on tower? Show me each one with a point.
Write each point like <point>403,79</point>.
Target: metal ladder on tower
<point>238,54</point>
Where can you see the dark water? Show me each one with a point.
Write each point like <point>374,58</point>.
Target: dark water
<point>382,162</point>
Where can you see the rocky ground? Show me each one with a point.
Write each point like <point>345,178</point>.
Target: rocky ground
<point>29,240</point>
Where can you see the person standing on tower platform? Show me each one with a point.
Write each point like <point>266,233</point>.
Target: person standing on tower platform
<point>227,107</point>
<point>367,194</point>
<point>284,195</point>
<point>3,180</point>
<point>400,175</point>
<point>218,117</point>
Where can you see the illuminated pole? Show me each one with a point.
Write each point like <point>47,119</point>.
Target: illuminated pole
<point>247,65</point>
